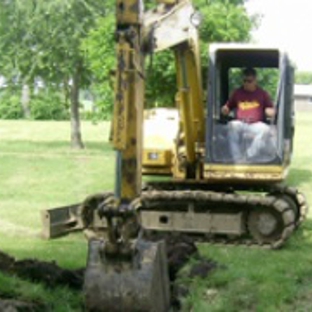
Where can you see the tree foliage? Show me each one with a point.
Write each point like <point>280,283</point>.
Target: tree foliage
<point>42,39</point>
<point>70,44</point>
<point>46,104</point>
<point>99,49</point>
<point>302,77</point>
<point>223,21</point>
<point>10,107</point>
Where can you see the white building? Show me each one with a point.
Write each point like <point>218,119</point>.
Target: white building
<point>303,97</point>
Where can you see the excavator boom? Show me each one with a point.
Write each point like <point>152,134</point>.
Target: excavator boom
<point>131,273</point>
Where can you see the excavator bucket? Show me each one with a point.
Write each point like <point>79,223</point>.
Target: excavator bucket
<point>139,283</point>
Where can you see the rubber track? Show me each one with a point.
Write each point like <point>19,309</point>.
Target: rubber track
<point>297,197</point>
<point>273,199</point>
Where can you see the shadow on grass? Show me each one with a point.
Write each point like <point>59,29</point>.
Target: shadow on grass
<point>99,146</point>
<point>299,176</point>
<point>26,146</point>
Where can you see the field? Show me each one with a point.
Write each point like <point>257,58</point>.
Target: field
<point>39,170</point>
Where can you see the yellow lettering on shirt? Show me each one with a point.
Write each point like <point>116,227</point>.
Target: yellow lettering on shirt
<point>245,105</point>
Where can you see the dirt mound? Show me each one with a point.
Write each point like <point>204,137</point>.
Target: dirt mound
<point>11,305</point>
<point>179,251</point>
<point>48,273</point>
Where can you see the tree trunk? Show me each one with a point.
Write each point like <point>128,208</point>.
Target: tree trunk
<point>76,140</point>
<point>25,99</point>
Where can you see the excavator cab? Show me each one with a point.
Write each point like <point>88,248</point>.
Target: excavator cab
<point>272,151</point>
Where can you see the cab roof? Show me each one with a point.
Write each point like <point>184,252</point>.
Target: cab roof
<point>246,54</point>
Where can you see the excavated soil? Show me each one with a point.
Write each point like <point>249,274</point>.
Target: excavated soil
<point>48,273</point>
<point>11,305</point>
<point>179,250</point>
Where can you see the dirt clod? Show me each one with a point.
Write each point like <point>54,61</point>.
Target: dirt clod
<point>202,268</point>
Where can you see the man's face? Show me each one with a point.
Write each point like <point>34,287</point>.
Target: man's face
<point>249,83</point>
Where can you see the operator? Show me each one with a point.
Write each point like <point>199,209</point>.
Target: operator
<point>252,105</point>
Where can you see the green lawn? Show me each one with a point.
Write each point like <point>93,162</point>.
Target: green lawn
<point>38,170</point>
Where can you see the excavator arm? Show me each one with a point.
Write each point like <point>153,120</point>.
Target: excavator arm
<point>129,99</point>
<point>170,26</point>
<point>125,272</point>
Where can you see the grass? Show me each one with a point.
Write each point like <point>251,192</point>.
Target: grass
<point>38,170</point>
<point>60,299</point>
<point>257,280</point>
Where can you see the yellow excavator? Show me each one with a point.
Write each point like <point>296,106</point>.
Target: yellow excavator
<point>210,196</point>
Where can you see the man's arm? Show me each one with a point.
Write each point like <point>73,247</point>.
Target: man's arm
<point>225,110</point>
<point>270,112</point>
<point>269,109</point>
<point>229,105</point>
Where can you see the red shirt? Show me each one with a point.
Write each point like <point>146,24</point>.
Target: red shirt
<point>250,105</point>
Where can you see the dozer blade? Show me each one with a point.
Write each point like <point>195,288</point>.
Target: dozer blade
<point>137,284</point>
<point>60,221</point>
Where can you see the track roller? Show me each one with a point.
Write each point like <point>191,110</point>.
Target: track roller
<point>269,225</point>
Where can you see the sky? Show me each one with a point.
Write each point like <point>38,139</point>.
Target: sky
<point>286,24</point>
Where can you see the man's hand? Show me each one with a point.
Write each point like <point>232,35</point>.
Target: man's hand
<point>225,110</point>
<point>270,112</point>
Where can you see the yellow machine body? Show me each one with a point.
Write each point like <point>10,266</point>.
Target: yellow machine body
<point>160,130</point>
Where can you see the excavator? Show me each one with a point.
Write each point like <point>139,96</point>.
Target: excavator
<point>210,196</point>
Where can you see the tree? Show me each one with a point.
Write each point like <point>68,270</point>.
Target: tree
<point>303,77</point>
<point>223,21</point>
<point>99,48</point>
<point>43,39</point>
